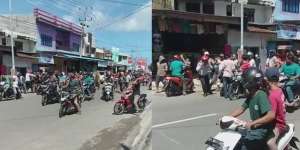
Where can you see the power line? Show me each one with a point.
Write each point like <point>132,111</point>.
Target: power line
<point>122,2</point>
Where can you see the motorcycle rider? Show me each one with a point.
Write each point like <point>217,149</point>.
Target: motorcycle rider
<point>251,59</point>
<point>276,98</point>
<point>74,87</point>
<point>176,68</point>
<point>292,71</point>
<point>260,126</point>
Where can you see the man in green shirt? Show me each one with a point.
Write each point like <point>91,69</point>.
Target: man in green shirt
<point>292,71</point>
<point>260,111</point>
<point>176,68</point>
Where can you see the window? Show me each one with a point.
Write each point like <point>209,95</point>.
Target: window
<point>249,14</point>
<point>75,47</point>
<point>3,41</point>
<point>193,7</point>
<point>229,10</point>
<point>18,46</point>
<point>208,7</point>
<point>291,6</point>
<point>46,40</point>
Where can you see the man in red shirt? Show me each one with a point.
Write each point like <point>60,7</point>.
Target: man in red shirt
<point>276,98</point>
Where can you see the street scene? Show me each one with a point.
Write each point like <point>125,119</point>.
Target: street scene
<point>75,75</point>
<point>226,74</point>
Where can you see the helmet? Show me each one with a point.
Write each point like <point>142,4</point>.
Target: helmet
<point>252,79</point>
<point>204,58</point>
<point>250,54</point>
<point>176,57</point>
<point>206,53</point>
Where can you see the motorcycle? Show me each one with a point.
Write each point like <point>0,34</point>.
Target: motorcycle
<point>66,104</point>
<point>7,92</point>
<point>236,86</point>
<point>88,92</point>
<point>296,90</point>
<point>232,131</point>
<point>173,86</point>
<point>49,94</point>
<point>125,105</point>
<point>107,91</point>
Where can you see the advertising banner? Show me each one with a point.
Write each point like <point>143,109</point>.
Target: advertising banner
<point>289,32</point>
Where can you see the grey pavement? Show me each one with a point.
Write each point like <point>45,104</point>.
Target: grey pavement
<point>26,125</point>
<point>186,122</point>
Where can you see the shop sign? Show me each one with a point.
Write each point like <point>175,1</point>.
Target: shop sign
<point>46,60</point>
<point>288,32</point>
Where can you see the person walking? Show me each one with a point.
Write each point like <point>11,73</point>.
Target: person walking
<point>162,68</point>
<point>204,68</point>
<point>227,68</point>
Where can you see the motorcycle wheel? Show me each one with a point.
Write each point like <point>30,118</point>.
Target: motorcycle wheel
<point>61,111</point>
<point>107,97</point>
<point>168,91</point>
<point>234,93</point>
<point>44,100</point>
<point>119,109</point>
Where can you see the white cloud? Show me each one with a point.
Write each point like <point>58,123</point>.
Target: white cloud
<point>141,21</point>
<point>69,18</point>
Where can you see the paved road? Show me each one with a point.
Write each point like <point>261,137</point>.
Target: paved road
<point>186,122</point>
<point>26,125</point>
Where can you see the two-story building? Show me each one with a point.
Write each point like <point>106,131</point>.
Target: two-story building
<point>24,41</point>
<point>60,45</point>
<point>192,26</point>
<point>287,19</point>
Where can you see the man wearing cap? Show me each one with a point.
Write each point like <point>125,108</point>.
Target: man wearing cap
<point>276,99</point>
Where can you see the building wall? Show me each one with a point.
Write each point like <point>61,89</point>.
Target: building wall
<point>263,14</point>
<point>250,39</point>
<point>51,31</point>
<point>19,62</point>
<point>281,15</point>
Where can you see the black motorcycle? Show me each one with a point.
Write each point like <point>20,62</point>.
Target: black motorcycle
<point>50,94</point>
<point>88,92</point>
<point>66,104</point>
<point>235,86</point>
<point>7,92</point>
<point>291,107</point>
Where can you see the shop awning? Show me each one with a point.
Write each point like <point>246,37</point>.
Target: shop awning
<point>82,57</point>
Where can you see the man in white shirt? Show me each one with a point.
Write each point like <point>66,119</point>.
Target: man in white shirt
<point>227,67</point>
<point>28,80</point>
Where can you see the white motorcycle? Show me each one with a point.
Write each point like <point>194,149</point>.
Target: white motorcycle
<point>232,130</point>
<point>108,91</point>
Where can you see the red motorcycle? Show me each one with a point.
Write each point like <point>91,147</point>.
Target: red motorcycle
<point>174,86</point>
<point>125,105</point>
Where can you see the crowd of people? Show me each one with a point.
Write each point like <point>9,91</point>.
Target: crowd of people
<point>266,96</point>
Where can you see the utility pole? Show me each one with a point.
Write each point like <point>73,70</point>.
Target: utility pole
<point>83,22</point>
<point>242,2</point>
<point>11,40</point>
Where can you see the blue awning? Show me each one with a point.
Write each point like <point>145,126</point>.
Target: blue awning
<point>82,57</point>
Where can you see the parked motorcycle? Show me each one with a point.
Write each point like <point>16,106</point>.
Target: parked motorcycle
<point>232,131</point>
<point>107,91</point>
<point>66,104</point>
<point>50,94</point>
<point>125,105</point>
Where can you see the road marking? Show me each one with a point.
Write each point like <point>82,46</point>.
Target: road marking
<point>169,138</point>
<point>183,120</point>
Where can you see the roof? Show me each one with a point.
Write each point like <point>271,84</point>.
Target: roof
<point>195,16</point>
<point>260,30</point>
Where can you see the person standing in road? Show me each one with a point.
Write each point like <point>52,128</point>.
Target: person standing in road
<point>28,80</point>
<point>162,68</point>
<point>204,68</point>
<point>227,68</point>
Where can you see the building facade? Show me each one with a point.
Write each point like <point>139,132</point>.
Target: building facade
<point>192,26</point>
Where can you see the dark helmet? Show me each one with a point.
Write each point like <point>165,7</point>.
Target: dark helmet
<point>252,79</point>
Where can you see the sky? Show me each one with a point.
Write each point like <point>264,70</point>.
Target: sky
<point>119,24</point>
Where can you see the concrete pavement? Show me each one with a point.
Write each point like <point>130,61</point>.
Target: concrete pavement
<point>25,124</point>
<point>186,122</point>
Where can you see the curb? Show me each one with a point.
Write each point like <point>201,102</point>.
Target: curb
<point>137,137</point>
